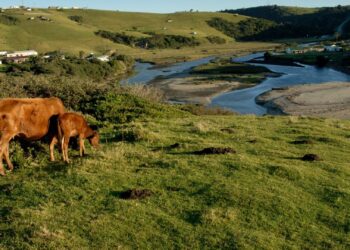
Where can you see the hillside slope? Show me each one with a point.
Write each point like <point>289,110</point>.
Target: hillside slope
<point>61,33</point>
<point>297,22</point>
<point>264,196</point>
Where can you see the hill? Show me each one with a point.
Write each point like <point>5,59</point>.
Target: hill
<point>74,31</point>
<point>294,22</point>
<point>264,196</point>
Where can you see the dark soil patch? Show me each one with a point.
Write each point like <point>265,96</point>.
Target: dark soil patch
<point>136,194</point>
<point>215,151</point>
<point>299,142</point>
<point>311,157</point>
<point>175,145</point>
<point>253,141</point>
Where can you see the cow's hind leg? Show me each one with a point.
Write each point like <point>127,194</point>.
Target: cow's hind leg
<point>4,143</point>
<point>65,143</point>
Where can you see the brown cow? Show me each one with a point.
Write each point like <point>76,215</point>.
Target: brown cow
<point>71,125</point>
<point>27,118</point>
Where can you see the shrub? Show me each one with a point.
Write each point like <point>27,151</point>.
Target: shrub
<point>78,19</point>
<point>154,41</point>
<point>216,39</point>
<point>8,20</point>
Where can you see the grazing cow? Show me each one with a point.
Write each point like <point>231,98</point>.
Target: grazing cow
<point>71,125</point>
<point>27,118</point>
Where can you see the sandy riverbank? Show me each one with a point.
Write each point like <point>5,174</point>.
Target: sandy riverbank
<point>195,89</point>
<point>321,100</point>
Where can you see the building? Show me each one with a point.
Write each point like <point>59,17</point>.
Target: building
<point>20,56</point>
<point>3,53</point>
<point>103,58</point>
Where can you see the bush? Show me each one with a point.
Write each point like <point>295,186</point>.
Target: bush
<point>8,20</point>
<point>249,29</point>
<point>216,40</point>
<point>72,66</point>
<point>78,19</point>
<point>155,41</point>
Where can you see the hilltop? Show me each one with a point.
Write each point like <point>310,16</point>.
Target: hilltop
<point>295,22</point>
<point>74,31</point>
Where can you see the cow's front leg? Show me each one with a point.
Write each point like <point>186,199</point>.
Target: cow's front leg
<point>7,158</point>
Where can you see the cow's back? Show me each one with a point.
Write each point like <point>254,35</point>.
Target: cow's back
<point>29,117</point>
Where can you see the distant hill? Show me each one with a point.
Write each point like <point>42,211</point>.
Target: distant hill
<point>74,30</point>
<point>293,22</point>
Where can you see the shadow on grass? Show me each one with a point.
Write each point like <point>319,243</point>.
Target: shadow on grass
<point>56,167</point>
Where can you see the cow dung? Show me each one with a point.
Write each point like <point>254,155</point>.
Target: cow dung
<point>136,194</point>
<point>311,157</point>
<point>215,151</point>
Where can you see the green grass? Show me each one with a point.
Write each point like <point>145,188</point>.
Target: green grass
<point>224,69</point>
<point>69,36</point>
<point>262,197</point>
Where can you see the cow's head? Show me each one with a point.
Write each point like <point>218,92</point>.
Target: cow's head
<point>94,139</point>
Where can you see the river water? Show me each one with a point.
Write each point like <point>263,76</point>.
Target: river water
<point>243,101</point>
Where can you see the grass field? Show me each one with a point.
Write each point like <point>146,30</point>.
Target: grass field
<point>69,36</point>
<point>264,196</point>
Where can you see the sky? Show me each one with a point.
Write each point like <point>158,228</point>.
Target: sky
<point>166,6</point>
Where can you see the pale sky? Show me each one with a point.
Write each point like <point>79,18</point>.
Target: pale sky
<point>164,6</point>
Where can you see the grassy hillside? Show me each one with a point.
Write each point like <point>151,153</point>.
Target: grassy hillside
<point>264,196</point>
<point>294,22</point>
<point>67,35</point>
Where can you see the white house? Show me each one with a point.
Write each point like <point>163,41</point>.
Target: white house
<point>25,53</point>
<point>0,62</point>
<point>3,53</point>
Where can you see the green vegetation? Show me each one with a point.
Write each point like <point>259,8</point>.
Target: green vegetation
<point>78,19</point>
<point>298,22</point>
<point>64,35</point>
<point>250,29</point>
<point>216,39</point>
<point>314,58</point>
<point>225,69</point>
<point>73,66</point>
<point>155,41</point>
<point>8,20</point>
<point>263,196</point>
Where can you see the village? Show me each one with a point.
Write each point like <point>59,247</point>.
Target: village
<point>18,57</point>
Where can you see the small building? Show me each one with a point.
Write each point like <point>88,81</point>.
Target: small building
<point>31,18</point>
<point>24,53</point>
<point>194,33</point>
<point>104,58</point>
<point>20,56</point>
<point>0,62</point>
<point>29,9</point>
<point>3,53</point>
<point>170,20</point>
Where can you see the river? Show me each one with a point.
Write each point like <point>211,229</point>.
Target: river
<point>243,101</point>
